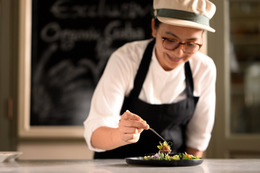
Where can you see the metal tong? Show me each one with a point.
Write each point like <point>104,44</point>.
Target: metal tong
<point>156,133</point>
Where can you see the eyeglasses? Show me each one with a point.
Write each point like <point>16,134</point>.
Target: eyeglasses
<point>187,47</point>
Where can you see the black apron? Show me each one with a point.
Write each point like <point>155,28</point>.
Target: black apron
<point>169,120</point>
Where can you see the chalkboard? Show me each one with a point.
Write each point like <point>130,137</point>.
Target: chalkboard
<point>71,43</point>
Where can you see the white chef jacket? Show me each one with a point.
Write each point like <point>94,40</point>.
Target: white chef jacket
<point>160,87</point>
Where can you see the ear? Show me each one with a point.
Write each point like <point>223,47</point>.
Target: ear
<point>154,29</point>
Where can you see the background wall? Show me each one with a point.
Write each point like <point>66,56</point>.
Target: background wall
<point>8,73</point>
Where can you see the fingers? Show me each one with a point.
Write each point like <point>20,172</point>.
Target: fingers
<point>136,124</point>
<point>131,126</point>
<point>130,116</point>
<point>133,120</point>
<point>131,138</point>
<point>133,130</point>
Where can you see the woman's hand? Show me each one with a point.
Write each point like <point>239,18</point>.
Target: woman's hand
<point>194,152</point>
<point>129,130</point>
<point>131,126</point>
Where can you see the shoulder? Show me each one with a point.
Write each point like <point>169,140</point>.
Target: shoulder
<point>129,55</point>
<point>201,63</point>
<point>204,75</point>
<point>124,62</point>
<point>131,50</point>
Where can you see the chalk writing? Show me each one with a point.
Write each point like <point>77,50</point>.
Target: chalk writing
<point>71,43</point>
<point>65,9</point>
<point>52,32</point>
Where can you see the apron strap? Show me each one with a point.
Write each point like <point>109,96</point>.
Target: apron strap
<point>142,70</point>
<point>189,80</point>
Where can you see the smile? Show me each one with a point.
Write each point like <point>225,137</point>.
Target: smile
<point>174,59</point>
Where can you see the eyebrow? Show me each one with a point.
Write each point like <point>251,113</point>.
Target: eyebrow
<point>190,39</point>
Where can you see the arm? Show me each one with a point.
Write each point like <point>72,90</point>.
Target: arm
<point>129,130</point>
<point>116,83</point>
<point>200,126</point>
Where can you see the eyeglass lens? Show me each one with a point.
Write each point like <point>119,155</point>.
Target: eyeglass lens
<point>173,44</point>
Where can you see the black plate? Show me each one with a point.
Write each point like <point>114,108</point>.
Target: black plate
<point>142,161</point>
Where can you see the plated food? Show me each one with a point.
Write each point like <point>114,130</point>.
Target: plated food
<point>164,154</point>
<point>164,157</point>
<point>164,147</point>
<point>169,157</point>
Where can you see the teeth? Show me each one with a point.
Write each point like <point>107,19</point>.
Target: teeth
<point>174,58</point>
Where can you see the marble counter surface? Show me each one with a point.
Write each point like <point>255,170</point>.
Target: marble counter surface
<point>120,166</point>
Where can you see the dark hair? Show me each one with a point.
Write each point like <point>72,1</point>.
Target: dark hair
<point>156,23</point>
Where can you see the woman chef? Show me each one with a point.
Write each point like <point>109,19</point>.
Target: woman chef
<point>165,83</point>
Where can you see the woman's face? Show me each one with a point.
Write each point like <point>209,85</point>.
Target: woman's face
<point>170,59</point>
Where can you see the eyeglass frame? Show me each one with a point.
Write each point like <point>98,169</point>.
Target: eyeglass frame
<point>181,43</point>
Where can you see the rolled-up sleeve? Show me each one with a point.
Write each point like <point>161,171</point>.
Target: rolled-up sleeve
<point>106,102</point>
<point>115,83</point>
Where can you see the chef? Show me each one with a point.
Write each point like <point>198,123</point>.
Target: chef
<point>164,83</point>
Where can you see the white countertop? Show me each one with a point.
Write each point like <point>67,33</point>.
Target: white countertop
<point>120,166</point>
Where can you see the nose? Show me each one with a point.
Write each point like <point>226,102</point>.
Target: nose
<point>179,51</point>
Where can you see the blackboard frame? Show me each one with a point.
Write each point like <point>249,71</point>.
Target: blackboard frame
<point>26,130</point>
